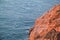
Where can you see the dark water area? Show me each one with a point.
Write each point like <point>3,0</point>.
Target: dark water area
<point>18,16</point>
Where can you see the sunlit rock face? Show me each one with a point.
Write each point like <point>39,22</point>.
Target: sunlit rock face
<point>47,27</point>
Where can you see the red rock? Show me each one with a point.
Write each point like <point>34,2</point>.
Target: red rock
<point>45,24</point>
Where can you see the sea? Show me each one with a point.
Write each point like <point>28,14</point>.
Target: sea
<point>18,16</point>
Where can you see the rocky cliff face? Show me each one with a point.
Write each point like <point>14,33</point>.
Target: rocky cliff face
<point>47,26</point>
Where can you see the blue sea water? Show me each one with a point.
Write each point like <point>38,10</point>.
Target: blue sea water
<point>18,16</point>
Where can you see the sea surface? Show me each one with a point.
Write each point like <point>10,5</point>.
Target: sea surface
<point>18,16</point>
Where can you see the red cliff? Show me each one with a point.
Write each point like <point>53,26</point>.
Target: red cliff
<point>47,26</point>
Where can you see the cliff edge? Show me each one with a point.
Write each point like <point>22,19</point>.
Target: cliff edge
<point>47,27</point>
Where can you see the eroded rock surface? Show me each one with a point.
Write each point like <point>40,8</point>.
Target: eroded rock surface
<point>47,26</point>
